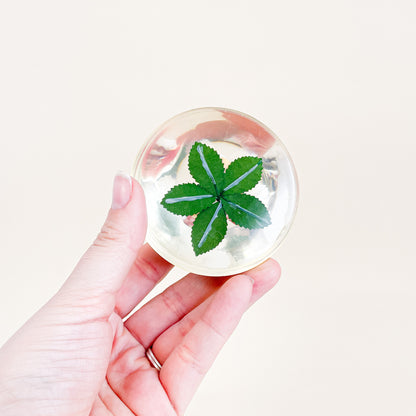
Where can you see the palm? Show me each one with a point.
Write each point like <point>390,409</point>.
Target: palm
<point>186,326</point>
<point>132,386</point>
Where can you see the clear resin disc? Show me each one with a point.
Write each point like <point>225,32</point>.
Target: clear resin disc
<point>163,163</point>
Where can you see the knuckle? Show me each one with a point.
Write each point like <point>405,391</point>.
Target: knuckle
<point>110,233</point>
<point>146,268</point>
<point>213,328</point>
<point>185,325</point>
<point>189,358</point>
<point>174,302</point>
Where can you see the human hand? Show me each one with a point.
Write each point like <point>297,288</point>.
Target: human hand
<point>77,357</point>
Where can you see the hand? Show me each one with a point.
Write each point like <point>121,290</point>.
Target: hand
<point>76,355</point>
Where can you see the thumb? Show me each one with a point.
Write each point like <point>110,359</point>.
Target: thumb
<point>106,263</point>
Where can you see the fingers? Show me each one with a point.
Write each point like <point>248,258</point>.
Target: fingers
<point>147,270</point>
<point>184,369</point>
<point>168,308</point>
<point>265,277</point>
<point>104,266</point>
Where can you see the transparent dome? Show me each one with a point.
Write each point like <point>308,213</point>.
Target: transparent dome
<point>163,163</point>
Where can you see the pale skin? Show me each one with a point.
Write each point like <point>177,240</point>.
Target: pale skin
<point>77,356</point>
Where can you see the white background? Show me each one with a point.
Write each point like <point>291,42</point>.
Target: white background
<point>83,84</point>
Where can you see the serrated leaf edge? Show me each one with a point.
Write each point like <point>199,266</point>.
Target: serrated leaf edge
<point>244,175</point>
<point>198,146</point>
<point>220,195</point>
<point>214,217</point>
<point>196,197</point>
<point>268,221</point>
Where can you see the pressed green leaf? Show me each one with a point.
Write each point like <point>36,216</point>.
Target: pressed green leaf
<point>217,195</point>
<point>242,174</point>
<point>246,211</point>
<point>206,167</point>
<point>209,229</point>
<point>187,199</point>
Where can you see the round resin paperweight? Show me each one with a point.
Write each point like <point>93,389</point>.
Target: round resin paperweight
<point>221,191</point>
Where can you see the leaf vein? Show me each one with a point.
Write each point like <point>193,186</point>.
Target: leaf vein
<point>234,205</point>
<point>242,177</point>
<point>200,150</point>
<point>209,226</point>
<point>186,198</point>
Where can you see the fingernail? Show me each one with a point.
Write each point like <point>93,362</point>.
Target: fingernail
<point>121,190</point>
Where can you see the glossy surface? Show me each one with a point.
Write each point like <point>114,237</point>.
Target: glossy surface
<point>163,163</point>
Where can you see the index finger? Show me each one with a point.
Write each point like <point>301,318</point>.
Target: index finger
<point>147,270</point>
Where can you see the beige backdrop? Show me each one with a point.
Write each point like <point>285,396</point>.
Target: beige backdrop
<point>83,83</point>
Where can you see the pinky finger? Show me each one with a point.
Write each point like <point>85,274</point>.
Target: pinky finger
<point>188,363</point>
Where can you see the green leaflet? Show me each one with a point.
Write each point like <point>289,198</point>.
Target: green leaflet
<point>242,175</point>
<point>246,211</point>
<point>206,167</point>
<point>217,195</point>
<point>187,199</point>
<point>209,228</point>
